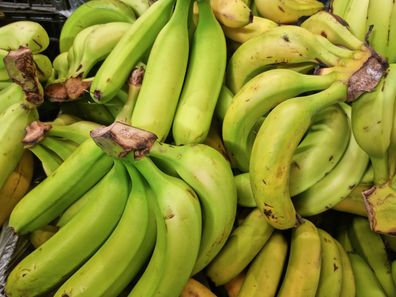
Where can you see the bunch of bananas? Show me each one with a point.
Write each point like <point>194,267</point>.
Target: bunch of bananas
<point>202,147</point>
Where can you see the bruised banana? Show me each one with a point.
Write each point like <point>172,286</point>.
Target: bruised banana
<point>232,14</point>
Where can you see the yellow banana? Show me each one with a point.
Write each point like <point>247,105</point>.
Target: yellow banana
<point>194,288</point>
<point>233,14</point>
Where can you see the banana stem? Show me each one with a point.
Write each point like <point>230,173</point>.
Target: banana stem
<point>381,170</point>
<point>337,92</point>
<point>68,133</point>
<point>148,169</point>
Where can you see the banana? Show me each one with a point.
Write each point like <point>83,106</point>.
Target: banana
<point>139,6</point>
<point>62,148</point>
<point>370,246</point>
<point>214,138</point>
<point>92,13</point>
<point>272,154</point>
<point>287,11</point>
<point>255,99</point>
<point>60,68</point>
<point>40,236</point>
<point>378,21</point>
<point>258,26</point>
<point>16,186</point>
<point>194,288</point>
<point>83,169</point>
<point>356,16</point>
<point>366,283</point>
<point>391,55</point>
<point>10,95</point>
<point>116,68</point>
<point>223,102</point>
<point>158,98</point>
<point>265,271</point>
<point>338,7</point>
<point>244,190</point>
<point>242,246</point>
<point>77,131</point>
<point>304,264</point>
<point>348,288</point>
<point>233,287</point>
<point>73,244</point>
<point>49,160</point>
<point>232,14</point>
<point>203,81</point>
<point>372,121</point>
<point>283,44</point>
<point>133,240</point>
<point>180,209</point>
<point>337,184</point>
<point>24,34</point>
<point>390,242</point>
<point>330,282</point>
<point>43,66</point>
<point>343,237</point>
<point>353,203</point>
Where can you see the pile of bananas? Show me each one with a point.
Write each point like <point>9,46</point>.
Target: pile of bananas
<point>202,148</point>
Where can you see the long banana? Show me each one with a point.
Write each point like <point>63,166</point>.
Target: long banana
<point>391,55</point>
<point>10,95</point>
<point>348,288</point>
<point>356,16</point>
<point>204,78</point>
<point>139,6</point>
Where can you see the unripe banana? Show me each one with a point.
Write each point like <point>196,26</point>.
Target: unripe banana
<point>10,95</point>
<point>348,288</point>
<point>338,7</point>
<point>139,6</point>
<point>49,160</point>
<point>233,14</point>
<point>356,16</point>
<point>391,55</point>
<point>40,236</point>
<point>223,102</point>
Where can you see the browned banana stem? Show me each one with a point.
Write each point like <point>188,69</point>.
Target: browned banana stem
<point>72,89</point>
<point>35,133</point>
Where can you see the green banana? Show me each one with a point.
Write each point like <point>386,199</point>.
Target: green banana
<point>49,160</point>
<point>92,13</point>
<point>10,95</point>
<point>204,79</point>
<point>77,131</point>
<point>244,190</point>
<point>139,6</point>
<point>24,34</point>
<point>353,203</point>
<point>223,102</point>
<point>338,7</point>
<point>272,154</point>
<point>330,282</point>
<point>67,183</point>
<point>264,273</point>
<point>63,148</point>
<point>124,252</point>
<point>356,16</point>
<point>157,101</point>
<point>73,244</point>
<point>348,288</point>
<point>60,68</point>
<point>391,55</point>
<point>366,282</point>
<point>43,67</point>
<point>252,234</point>
<point>116,68</point>
<point>304,264</point>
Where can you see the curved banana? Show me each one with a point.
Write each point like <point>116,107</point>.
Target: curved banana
<point>194,288</point>
<point>287,11</point>
<point>330,282</point>
<point>356,16</point>
<point>348,288</point>
<point>265,271</point>
<point>93,13</point>
<point>77,131</point>
<point>116,68</point>
<point>158,98</point>
<point>203,81</point>
<point>60,68</point>
<point>24,34</point>
<point>124,252</point>
<point>40,236</point>
<point>338,7</point>
<point>233,287</point>
<point>391,55</point>
<point>223,102</point>
<point>16,186</point>
<point>43,66</point>
<point>304,264</point>
<point>49,160</point>
<point>61,147</point>
<point>242,246</point>
<point>139,6</point>
<point>244,190</point>
<point>353,203</point>
<point>272,154</point>
<point>283,44</point>
<point>232,14</point>
<point>73,244</point>
<point>10,95</point>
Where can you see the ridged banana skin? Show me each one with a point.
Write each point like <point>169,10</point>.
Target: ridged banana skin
<point>159,95</point>
<point>348,288</point>
<point>265,271</point>
<point>287,11</point>
<point>370,246</point>
<point>379,16</point>
<point>330,282</point>
<point>12,131</point>
<point>47,266</point>
<point>284,44</point>
<point>139,6</point>
<point>116,68</point>
<point>391,55</point>
<point>233,14</point>
<point>124,252</point>
<point>320,150</point>
<point>337,184</point>
<point>258,26</point>
<point>9,96</point>
<point>203,81</point>
<point>272,154</point>
<point>366,282</point>
<point>244,243</point>
<point>356,16</point>
<point>74,177</point>
<point>215,188</point>
<point>16,186</point>
<point>181,211</point>
<point>24,33</point>
<point>304,264</point>
<point>95,47</point>
<point>93,13</point>
<point>255,99</point>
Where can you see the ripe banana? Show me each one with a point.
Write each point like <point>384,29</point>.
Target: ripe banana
<point>272,154</point>
<point>252,235</point>
<point>354,203</point>
<point>73,244</point>
<point>203,81</point>
<point>264,273</point>
<point>304,264</point>
<point>232,14</point>
<point>287,11</point>
<point>194,288</point>
<point>116,68</point>
<point>233,287</point>
<point>92,13</point>
<point>40,236</point>
<point>158,98</point>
